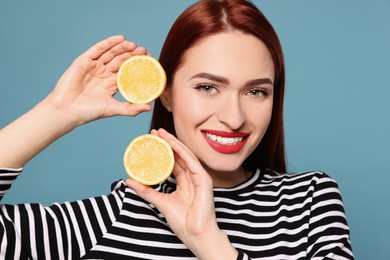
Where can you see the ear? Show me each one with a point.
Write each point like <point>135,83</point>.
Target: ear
<point>165,98</point>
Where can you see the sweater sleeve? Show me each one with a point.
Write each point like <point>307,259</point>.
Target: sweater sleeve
<point>328,236</point>
<point>59,231</point>
<point>242,256</point>
<point>7,177</point>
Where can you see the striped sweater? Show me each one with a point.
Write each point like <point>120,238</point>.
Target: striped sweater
<point>270,216</point>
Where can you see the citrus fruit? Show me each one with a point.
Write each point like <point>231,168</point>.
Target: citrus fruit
<point>149,159</point>
<point>141,79</point>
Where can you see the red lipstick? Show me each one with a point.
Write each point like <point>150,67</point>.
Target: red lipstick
<point>226,148</point>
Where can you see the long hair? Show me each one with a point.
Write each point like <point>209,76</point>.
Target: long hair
<point>209,17</point>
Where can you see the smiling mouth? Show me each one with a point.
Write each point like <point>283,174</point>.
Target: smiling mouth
<point>224,140</point>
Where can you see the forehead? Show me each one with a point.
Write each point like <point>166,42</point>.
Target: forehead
<point>233,55</point>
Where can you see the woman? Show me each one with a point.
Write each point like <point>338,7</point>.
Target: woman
<point>222,115</point>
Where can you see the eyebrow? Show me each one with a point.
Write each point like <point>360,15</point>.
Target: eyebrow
<point>223,80</point>
<point>213,77</point>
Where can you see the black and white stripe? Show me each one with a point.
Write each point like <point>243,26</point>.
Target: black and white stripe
<point>270,216</point>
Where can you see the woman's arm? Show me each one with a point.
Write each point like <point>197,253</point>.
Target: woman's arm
<point>329,236</point>
<point>83,94</point>
<point>60,231</point>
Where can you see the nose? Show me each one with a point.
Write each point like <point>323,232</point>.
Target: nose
<point>231,112</point>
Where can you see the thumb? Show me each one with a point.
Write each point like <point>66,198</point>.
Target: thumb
<point>147,193</point>
<point>128,109</point>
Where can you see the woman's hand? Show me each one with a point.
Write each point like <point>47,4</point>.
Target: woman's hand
<point>85,91</point>
<point>189,210</point>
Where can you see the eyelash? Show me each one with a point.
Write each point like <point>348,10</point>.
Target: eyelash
<point>207,88</point>
<point>202,88</point>
<point>261,92</point>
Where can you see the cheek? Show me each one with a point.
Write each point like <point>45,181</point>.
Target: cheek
<point>186,107</point>
<point>268,113</point>
<point>184,110</point>
<point>260,116</point>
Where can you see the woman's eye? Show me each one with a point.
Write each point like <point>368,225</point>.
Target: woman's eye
<point>257,92</point>
<point>207,89</point>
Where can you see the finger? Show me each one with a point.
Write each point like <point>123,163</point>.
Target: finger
<point>180,168</point>
<point>177,146</point>
<point>115,63</point>
<point>128,109</point>
<point>186,159</point>
<point>101,47</point>
<point>178,160</point>
<point>117,50</point>
<point>147,193</point>
<point>139,51</point>
<point>185,176</point>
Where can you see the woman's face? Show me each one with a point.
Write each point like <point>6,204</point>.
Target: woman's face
<point>221,99</point>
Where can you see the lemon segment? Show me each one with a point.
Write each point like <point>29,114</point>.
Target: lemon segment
<point>149,159</point>
<point>141,79</point>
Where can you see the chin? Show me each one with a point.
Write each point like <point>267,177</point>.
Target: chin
<point>223,166</point>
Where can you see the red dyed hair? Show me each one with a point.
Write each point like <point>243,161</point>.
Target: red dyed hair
<point>208,17</point>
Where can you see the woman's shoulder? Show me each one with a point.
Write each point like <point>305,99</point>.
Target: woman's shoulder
<point>315,180</point>
<point>272,175</point>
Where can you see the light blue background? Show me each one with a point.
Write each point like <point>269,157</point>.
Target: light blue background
<point>336,111</point>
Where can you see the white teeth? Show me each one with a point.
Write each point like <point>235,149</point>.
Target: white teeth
<point>224,140</point>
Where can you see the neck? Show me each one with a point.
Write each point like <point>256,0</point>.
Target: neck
<point>223,179</point>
